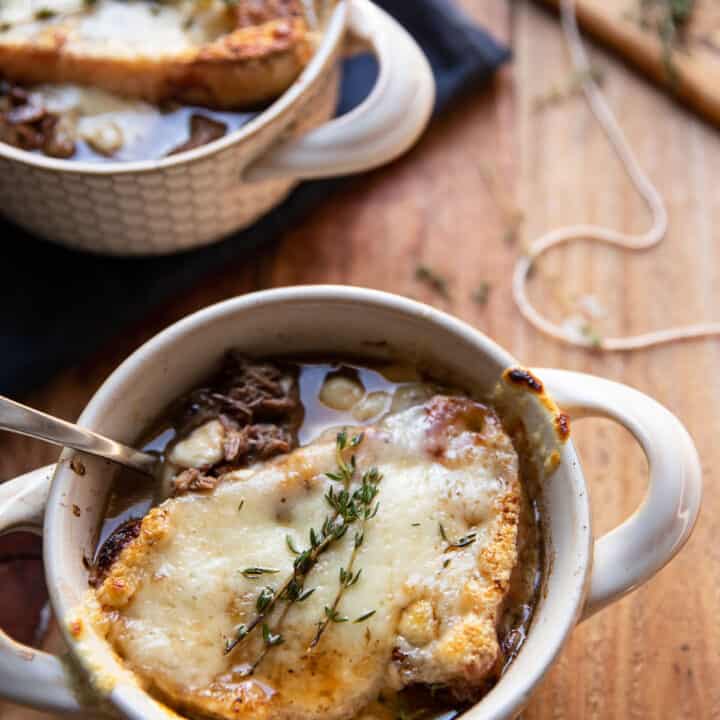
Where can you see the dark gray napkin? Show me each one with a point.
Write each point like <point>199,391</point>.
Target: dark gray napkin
<point>59,305</point>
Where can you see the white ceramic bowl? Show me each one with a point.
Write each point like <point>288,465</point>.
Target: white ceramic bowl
<point>583,575</point>
<point>183,201</point>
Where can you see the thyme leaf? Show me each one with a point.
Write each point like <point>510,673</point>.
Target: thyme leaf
<point>269,637</point>
<point>305,594</point>
<point>461,542</point>
<point>291,545</point>
<point>334,616</point>
<point>433,280</point>
<point>256,572</point>
<point>266,596</point>
<point>482,293</point>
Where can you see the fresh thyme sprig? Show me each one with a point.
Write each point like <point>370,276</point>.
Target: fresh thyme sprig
<point>363,506</point>
<point>345,470</point>
<point>346,512</point>
<point>292,589</point>
<point>667,18</point>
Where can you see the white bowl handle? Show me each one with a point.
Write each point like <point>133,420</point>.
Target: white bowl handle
<point>634,551</point>
<point>384,126</point>
<point>29,676</point>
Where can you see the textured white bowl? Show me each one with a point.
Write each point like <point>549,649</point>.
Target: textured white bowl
<point>184,201</point>
<point>583,575</point>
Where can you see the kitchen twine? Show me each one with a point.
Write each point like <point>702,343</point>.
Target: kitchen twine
<point>595,233</point>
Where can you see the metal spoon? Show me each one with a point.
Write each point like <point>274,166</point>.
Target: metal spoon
<point>26,421</point>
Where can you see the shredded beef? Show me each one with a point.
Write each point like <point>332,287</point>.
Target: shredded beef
<point>111,549</point>
<point>203,130</point>
<point>27,124</point>
<point>258,403</point>
<point>193,480</point>
<point>256,442</point>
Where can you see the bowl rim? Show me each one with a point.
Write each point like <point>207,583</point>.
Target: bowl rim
<point>508,696</point>
<point>332,35</point>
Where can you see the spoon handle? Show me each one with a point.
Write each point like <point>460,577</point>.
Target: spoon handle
<point>26,421</point>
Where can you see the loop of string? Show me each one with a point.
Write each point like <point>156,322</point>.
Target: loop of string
<point>595,233</point>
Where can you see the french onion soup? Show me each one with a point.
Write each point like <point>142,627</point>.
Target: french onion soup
<point>329,540</point>
<point>129,80</point>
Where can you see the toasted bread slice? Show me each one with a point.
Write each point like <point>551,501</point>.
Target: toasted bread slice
<point>429,558</point>
<point>204,52</point>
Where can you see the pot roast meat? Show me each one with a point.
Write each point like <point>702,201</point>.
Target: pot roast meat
<point>203,130</point>
<point>27,124</point>
<point>194,480</point>
<point>258,405</point>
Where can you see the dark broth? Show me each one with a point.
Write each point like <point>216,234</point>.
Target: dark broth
<point>133,496</point>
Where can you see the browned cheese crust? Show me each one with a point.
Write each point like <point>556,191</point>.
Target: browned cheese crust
<point>247,67</point>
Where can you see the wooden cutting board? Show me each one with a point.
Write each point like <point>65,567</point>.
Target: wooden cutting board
<point>690,70</point>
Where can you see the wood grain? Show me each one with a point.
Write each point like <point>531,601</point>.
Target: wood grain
<point>449,204</point>
<point>690,70</point>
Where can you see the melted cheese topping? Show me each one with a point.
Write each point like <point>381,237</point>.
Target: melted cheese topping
<point>194,51</point>
<point>178,591</point>
<point>118,28</point>
<point>201,449</point>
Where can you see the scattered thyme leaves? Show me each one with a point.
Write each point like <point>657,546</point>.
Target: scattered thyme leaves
<point>481,294</point>
<point>364,616</point>
<point>461,542</point>
<point>592,336</point>
<point>572,88</point>
<point>436,282</point>
<point>667,19</point>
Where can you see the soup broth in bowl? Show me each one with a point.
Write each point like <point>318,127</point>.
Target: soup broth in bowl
<point>328,538</point>
<point>133,80</point>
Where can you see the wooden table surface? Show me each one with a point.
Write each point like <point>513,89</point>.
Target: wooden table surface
<point>496,164</point>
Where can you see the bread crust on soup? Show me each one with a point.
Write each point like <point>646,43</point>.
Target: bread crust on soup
<point>239,57</point>
<point>436,561</point>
